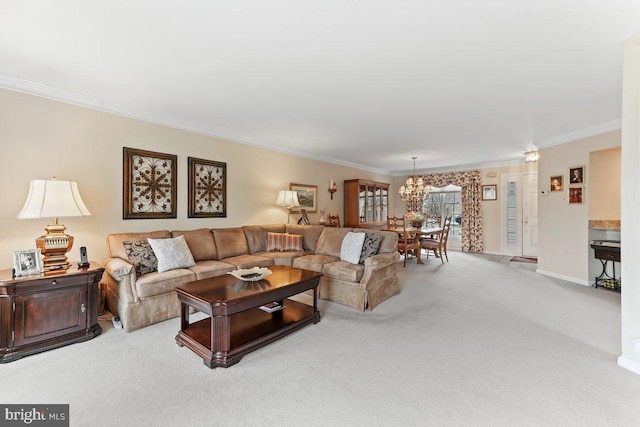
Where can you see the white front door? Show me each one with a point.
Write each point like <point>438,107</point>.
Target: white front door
<point>530,215</point>
<point>519,214</point>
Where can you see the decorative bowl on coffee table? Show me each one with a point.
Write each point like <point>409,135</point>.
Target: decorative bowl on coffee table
<point>251,274</point>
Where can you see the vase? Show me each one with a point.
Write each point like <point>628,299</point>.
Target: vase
<point>416,224</point>
<point>322,219</point>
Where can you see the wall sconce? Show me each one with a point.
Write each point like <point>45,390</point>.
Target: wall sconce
<point>531,156</point>
<point>332,187</point>
<point>287,199</point>
<point>53,199</point>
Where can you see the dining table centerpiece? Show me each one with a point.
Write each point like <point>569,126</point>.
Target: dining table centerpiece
<point>416,219</point>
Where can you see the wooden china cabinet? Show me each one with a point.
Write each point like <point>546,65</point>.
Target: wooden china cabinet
<point>47,311</point>
<point>366,203</point>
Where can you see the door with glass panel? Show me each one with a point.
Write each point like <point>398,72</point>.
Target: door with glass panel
<point>441,204</point>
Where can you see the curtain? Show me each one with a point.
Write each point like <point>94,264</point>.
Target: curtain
<point>471,197</point>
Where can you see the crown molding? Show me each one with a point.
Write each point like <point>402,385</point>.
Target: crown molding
<point>512,161</point>
<point>95,103</point>
<point>581,134</point>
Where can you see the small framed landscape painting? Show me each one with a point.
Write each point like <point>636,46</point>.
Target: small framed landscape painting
<point>307,196</point>
<point>490,192</point>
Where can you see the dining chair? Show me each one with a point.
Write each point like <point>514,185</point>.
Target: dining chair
<point>407,241</point>
<point>438,244</point>
<point>334,220</point>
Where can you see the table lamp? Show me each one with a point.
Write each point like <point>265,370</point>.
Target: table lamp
<point>288,199</point>
<point>53,199</point>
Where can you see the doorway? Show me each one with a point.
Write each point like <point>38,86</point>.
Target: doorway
<point>519,214</point>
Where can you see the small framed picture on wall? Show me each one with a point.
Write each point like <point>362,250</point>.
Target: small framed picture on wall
<point>576,175</point>
<point>490,192</point>
<point>576,195</point>
<point>555,183</point>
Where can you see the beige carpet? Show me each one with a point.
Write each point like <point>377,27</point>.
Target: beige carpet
<point>468,343</point>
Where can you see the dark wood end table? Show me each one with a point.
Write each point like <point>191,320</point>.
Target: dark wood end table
<point>237,325</point>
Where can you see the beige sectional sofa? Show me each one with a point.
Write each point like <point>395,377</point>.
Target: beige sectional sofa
<point>143,299</point>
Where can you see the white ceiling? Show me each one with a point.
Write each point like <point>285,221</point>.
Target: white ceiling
<point>367,83</point>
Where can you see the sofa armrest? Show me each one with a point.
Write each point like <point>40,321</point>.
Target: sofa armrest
<point>122,274</point>
<point>379,261</point>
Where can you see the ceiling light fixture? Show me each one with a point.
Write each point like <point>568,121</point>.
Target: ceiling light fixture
<point>414,190</point>
<point>531,156</point>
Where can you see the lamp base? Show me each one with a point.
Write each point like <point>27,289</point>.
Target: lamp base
<point>54,246</point>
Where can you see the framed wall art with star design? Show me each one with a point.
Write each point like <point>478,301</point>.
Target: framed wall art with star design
<point>207,189</point>
<point>149,184</point>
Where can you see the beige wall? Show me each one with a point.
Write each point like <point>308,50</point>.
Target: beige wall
<point>563,238</point>
<point>603,182</point>
<point>42,138</point>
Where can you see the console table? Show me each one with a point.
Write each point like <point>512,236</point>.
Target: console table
<point>39,313</point>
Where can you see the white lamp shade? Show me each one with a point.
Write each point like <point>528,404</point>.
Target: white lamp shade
<point>287,198</point>
<point>52,199</point>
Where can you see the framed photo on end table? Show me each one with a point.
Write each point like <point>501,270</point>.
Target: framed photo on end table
<point>27,262</point>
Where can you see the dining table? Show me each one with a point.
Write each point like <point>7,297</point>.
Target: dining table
<point>424,231</point>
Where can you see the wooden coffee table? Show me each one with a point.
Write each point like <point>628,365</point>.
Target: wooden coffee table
<point>236,325</point>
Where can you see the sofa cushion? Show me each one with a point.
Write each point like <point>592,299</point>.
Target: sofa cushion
<point>283,258</point>
<point>141,255</point>
<point>230,242</point>
<point>314,262</point>
<point>370,246</point>
<point>256,236</point>
<point>310,234</point>
<point>211,268</point>
<point>160,283</point>
<point>279,242</point>
<point>351,247</point>
<point>248,261</point>
<point>343,270</point>
<point>114,241</point>
<point>172,253</point>
<point>330,241</point>
<point>200,242</point>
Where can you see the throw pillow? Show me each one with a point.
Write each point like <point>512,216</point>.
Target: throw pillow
<point>284,242</point>
<point>275,241</point>
<point>293,243</point>
<point>352,247</point>
<point>172,253</point>
<point>370,246</point>
<point>141,255</point>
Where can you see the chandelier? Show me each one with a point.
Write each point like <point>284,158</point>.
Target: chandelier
<point>414,190</point>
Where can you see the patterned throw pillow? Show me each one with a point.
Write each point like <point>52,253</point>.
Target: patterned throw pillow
<point>352,247</point>
<point>284,242</point>
<point>172,253</point>
<point>141,256</point>
<point>370,246</point>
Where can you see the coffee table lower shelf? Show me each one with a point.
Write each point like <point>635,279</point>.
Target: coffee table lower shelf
<point>243,332</point>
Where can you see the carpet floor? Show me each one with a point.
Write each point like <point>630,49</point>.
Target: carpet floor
<point>467,343</point>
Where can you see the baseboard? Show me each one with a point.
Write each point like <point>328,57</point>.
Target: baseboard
<point>562,277</point>
<point>629,364</point>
